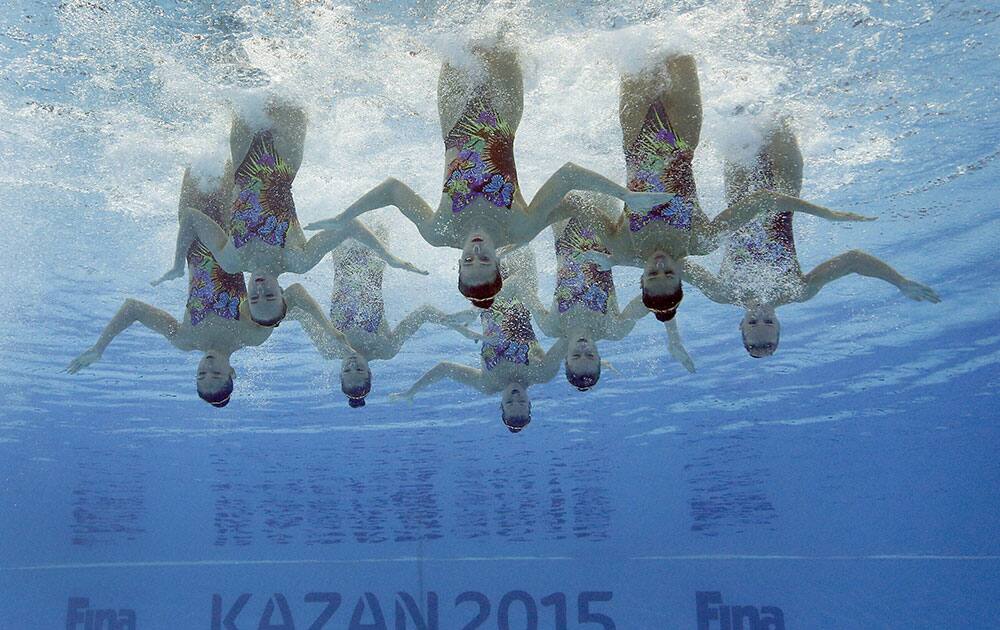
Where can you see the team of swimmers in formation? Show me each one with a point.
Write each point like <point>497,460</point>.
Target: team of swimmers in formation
<point>246,223</point>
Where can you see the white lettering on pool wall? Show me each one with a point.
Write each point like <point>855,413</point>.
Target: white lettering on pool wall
<point>80,616</point>
<point>742,617</point>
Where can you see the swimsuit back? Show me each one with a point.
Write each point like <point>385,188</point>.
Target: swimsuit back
<point>263,209</point>
<point>210,289</point>
<point>507,333</point>
<point>357,290</point>
<point>484,166</point>
<point>580,281</point>
<point>659,161</point>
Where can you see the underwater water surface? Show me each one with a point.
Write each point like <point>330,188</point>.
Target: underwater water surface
<point>848,481</point>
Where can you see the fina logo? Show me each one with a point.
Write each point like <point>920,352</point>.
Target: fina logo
<point>711,609</point>
<point>79,616</point>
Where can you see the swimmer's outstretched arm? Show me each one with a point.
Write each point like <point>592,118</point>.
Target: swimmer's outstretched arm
<point>710,235</point>
<point>546,207</point>
<point>391,192</point>
<point>625,321</point>
<point>549,367</point>
<point>446,369</point>
<point>676,347</point>
<point>130,312</point>
<point>321,244</point>
<point>412,323</point>
<point>708,283</point>
<point>302,307</point>
<point>863,264</point>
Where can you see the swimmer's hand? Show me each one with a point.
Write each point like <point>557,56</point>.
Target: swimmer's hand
<point>918,292</point>
<point>681,355</point>
<point>405,266</point>
<point>646,200</point>
<point>173,274</point>
<point>91,355</point>
<point>398,396</point>
<point>848,216</point>
<point>461,318</point>
<point>325,224</point>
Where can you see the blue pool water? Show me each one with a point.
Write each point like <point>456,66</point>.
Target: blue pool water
<point>849,481</point>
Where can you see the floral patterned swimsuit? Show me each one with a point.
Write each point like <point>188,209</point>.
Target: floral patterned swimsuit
<point>659,161</point>
<point>357,294</point>
<point>759,261</point>
<point>766,243</point>
<point>210,289</point>
<point>263,209</point>
<point>580,281</point>
<point>484,166</point>
<point>507,333</point>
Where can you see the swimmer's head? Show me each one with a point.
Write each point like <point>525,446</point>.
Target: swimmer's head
<point>478,270</point>
<point>760,330</point>
<point>661,286</point>
<point>214,379</point>
<point>583,364</point>
<point>355,379</point>
<point>266,300</point>
<point>515,407</point>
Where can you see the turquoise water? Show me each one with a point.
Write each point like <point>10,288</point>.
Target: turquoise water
<point>848,481</point>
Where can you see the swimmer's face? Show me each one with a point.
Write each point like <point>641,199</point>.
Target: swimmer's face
<point>478,264</point>
<point>355,374</point>
<point>214,371</point>
<point>661,275</point>
<point>583,357</point>
<point>266,300</point>
<point>760,330</point>
<point>515,406</point>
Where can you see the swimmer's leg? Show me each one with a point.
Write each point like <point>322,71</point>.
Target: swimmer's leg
<point>290,123</point>
<point>496,70</point>
<point>674,83</point>
<point>863,264</point>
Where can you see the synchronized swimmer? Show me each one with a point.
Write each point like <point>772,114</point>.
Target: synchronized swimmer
<point>245,222</point>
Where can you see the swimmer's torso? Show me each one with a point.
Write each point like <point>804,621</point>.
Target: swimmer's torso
<point>216,316</point>
<point>356,306</point>
<point>263,211</point>
<point>212,291</point>
<point>480,184</point>
<point>658,160</point>
<point>759,261</point>
<point>584,292</point>
<point>509,345</point>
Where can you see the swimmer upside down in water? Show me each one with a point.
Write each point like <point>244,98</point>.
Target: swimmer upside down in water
<point>661,125</point>
<point>584,305</point>
<point>262,235</point>
<point>481,206</point>
<point>216,318</point>
<point>760,269</point>
<point>511,360</point>
<point>357,312</point>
